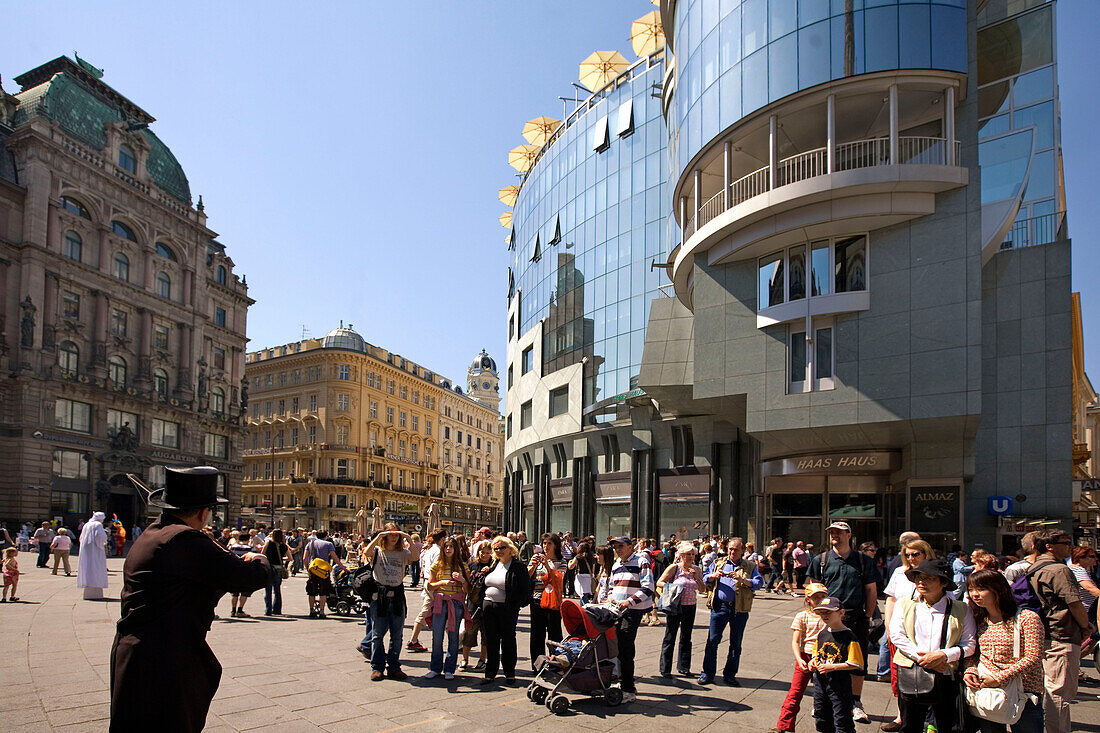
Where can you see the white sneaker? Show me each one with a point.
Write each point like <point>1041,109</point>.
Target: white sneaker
<point>629,697</point>
<point>859,715</point>
<point>430,673</point>
<point>448,676</point>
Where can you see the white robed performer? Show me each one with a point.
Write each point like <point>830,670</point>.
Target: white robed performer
<point>377,520</point>
<point>91,570</point>
<point>432,518</point>
<point>361,522</point>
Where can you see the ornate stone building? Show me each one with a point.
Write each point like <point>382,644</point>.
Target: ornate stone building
<point>121,320</point>
<point>337,425</point>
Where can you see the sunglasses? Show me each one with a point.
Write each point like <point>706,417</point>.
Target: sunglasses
<point>918,553</point>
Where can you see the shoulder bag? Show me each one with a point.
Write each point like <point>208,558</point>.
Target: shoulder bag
<point>1003,704</point>
<point>915,679</point>
<point>552,590</point>
<point>669,600</point>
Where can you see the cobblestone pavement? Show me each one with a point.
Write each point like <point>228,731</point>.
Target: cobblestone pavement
<point>299,674</point>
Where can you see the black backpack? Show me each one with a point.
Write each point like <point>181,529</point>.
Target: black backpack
<point>362,582</point>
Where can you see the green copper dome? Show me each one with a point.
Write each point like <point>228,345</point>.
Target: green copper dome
<point>84,115</point>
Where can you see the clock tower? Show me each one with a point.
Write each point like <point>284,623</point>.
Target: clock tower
<point>482,382</point>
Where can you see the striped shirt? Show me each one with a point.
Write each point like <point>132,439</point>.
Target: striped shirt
<point>632,580</point>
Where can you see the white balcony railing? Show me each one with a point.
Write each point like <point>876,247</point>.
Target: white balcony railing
<point>813,163</point>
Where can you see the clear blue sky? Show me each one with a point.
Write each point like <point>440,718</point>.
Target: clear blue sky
<point>349,153</point>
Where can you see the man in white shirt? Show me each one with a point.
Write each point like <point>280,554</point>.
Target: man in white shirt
<point>1018,568</point>
<point>932,633</point>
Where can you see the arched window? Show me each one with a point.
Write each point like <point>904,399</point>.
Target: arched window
<point>165,251</point>
<point>122,267</point>
<point>221,274</point>
<point>160,382</point>
<point>73,246</point>
<point>127,161</point>
<point>68,358</point>
<point>116,371</point>
<point>123,231</point>
<point>164,285</point>
<point>73,206</point>
<point>217,401</point>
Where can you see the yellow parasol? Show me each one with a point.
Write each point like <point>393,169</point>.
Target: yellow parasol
<point>508,195</point>
<point>521,156</point>
<point>537,131</point>
<point>647,36</point>
<point>601,68</point>
<point>506,219</point>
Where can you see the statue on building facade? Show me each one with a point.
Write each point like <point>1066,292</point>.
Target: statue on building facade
<point>244,393</point>
<point>26,325</point>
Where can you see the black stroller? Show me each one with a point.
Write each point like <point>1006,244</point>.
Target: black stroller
<point>584,669</point>
<point>344,601</point>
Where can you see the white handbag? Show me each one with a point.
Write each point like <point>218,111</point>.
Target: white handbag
<point>1005,704</point>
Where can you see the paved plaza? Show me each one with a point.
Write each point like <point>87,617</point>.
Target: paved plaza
<point>298,674</point>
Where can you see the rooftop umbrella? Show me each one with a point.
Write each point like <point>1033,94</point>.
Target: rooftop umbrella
<point>600,68</point>
<point>521,156</point>
<point>506,219</point>
<point>537,131</point>
<point>508,195</point>
<point>647,36</point>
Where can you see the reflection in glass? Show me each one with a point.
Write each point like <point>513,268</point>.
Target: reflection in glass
<point>819,263</point>
<point>993,99</point>
<point>1033,87</point>
<point>1003,161</point>
<point>798,357</point>
<point>993,126</point>
<point>771,281</point>
<point>796,505</point>
<point>851,264</point>
<point>823,353</point>
<point>1040,181</point>
<point>1015,46</point>
<point>1040,115</point>
<point>796,286</point>
<point>882,38</point>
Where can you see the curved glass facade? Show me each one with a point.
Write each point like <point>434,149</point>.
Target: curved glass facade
<point>589,219</point>
<point>736,56</point>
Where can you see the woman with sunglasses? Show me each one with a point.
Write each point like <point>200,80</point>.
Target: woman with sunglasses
<point>507,589</point>
<point>897,589</point>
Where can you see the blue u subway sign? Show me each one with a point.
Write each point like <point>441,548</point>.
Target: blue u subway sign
<point>999,505</point>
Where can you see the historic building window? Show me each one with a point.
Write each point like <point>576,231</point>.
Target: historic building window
<point>68,359</point>
<point>217,401</point>
<point>220,275</point>
<point>74,207</point>
<point>374,409</point>
<point>215,445</point>
<point>219,317</point>
<point>72,415</point>
<point>219,357</point>
<point>164,285</point>
<point>123,230</point>
<point>415,424</point>
<point>342,435</point>
<point>427,427</point>
<point>70,464</point>
<point>70,305</point>
<point>313,403</point>
<point>389,415</point>
<point>811,362</point>
<point>116,371</point>
<point>834,266</point>
<point>404,392</point>
<point>74,246</point>
<point>117,418</point>
<point>160,337</point>
<point>343,372</point>
<point>389,386</point>
<point>402,419</point>
<point>342,402</point>
<point>122,267</point>
<point>559,403</point>
<point>160,382</point>
<point>165,434</point>
<point>165,251</point>
<point>118,323</point>
<point>127,161</point>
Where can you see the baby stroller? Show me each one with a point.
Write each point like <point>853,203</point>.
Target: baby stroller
<point>344,601</point>
<point>583,663</point>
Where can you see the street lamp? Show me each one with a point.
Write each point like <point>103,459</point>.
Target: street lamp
<point>272,528</point>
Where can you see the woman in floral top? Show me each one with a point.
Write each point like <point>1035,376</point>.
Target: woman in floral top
<point>996,617</point>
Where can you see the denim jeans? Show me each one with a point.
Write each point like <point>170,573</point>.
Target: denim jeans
<point>367,644</point>
<point>273,596</point>
<point>833,702</point>
<point>1030,722</point>
<point>43,554</point>
<point>378,627</point>
<point>450,608</point>
<point>414,571</point>
<point>883,656</point>
<point>720,616</point>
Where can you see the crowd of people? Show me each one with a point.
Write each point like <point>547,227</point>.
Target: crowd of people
<point>955,632</point>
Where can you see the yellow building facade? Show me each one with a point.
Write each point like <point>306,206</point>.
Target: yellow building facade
<point>337,425</point>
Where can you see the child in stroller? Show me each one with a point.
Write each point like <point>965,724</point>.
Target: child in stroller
<point>344,601</point>
<point>583,663</point>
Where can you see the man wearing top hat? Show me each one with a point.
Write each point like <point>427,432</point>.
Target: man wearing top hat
<point>162,671</point>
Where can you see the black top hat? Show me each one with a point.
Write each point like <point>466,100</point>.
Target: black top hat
<point>937,567</point>
<point>185,488</point>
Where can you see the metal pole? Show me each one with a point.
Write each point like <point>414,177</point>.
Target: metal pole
<point>949,125</point>
<point>272,487</point>
<point>773,151</point>
<point>894,157</point>
<point>830,127</point>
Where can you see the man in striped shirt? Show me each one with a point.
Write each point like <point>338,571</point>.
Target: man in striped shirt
<point>632,589</point>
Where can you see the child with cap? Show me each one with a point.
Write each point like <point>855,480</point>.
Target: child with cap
<point>836,654</point>
<point>806,626</point>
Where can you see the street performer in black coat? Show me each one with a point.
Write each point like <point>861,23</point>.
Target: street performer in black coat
<point>163,673</point>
